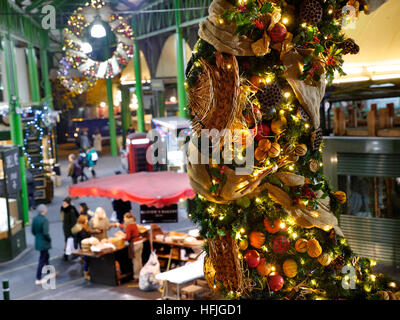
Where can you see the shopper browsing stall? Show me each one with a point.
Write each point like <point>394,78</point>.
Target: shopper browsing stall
<point>81,231</point>
<point>84,209</point>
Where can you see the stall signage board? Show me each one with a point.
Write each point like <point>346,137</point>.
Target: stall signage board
<point>167,214</point>
<point>11,168</point>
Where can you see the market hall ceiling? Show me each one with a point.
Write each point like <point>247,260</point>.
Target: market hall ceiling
<point>64,8</point>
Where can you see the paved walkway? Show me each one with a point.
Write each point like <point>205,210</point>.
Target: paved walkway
<point>70,283</point>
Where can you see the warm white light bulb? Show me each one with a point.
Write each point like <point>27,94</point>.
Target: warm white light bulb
<point>98,31</point>
<point>86,47</point>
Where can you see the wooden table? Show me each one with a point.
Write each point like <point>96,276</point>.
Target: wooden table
<point>102,267</point>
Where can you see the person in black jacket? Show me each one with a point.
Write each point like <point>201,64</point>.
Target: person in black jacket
<point>69,216</point>
<point>121,207</point>
<point>30,180</point>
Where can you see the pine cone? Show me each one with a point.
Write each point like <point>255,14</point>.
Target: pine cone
<point>269,96</point>
<point>337,264</point>
<point>311,12</point>
<point>316,139</point>
<point>303,114</point>
<point>350,46</point>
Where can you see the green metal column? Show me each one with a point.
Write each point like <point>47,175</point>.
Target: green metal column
<point>44,61</point>
<point>111,117</point>
<point>125,114</point>
<point>138,78</point>
<point>33,74</point>
<point>15,118</point>
<point>180,62</point>
<point>161,103</point>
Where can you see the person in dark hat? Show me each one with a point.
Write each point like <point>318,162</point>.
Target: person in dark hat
<point>69,216</point>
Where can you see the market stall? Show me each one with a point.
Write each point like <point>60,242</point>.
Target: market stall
<point>149,189</point>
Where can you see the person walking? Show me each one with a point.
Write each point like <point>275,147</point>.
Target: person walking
<point>30,180</point>
<point>74,169</point>
<point>97,142</point>
<point>99,224</point>
<point>84,141</point>
<point>69,216</point>
<point>135,243</point>
<point>81,231</point>
<point>92,158</point>
<point>83,163</point>
<point>40,229</point>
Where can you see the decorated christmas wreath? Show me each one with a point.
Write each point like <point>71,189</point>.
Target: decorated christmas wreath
<point>74,42</point>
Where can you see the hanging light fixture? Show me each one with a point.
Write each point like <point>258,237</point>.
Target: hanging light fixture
<point>97,30</point>
<point>86,47</point>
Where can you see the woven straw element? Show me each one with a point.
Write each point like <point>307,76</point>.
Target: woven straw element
<point>214,100</point>
<point>311,11</point>
<point>223,253</point>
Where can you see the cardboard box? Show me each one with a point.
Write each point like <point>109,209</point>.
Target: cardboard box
<point>17,227</point>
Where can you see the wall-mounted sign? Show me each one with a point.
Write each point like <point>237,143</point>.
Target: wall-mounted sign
<point>166,214</point>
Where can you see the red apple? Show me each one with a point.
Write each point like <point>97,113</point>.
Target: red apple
<point>263,131</point>
<point>275,281</point>
<point>253,258</point>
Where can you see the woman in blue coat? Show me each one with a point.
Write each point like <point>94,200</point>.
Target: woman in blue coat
<point>40,229</point>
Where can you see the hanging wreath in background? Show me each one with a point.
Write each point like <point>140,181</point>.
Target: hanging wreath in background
<point>74,42</point>
<point>64,75</point>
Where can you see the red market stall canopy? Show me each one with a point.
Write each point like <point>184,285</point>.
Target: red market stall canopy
<point>156,189</point>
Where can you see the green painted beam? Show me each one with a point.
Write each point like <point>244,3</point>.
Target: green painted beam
<point>138,77</point>
<point>111,117</point>
<point>125,112</point>
<point>44,61</point>
<point>33,74</point>
<point>34,5</point>
<point>180,62</point>
<point>15,118</point>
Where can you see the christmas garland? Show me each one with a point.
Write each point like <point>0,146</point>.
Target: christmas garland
<point>273,233</point>
<point>79,60</point>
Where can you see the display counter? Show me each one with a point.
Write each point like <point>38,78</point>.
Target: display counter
<point>109,267</point>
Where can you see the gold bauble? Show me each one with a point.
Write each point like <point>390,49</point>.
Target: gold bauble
<point>260,154</point>
<point>275,150</point>
<point>288,149</point>
<point>243,244</point>
<point>277,125</point>
<point>301,245</point>
<point>264,268</point>
<point>340,196</point>
<point>313,165</point>
<point>324,259</point>
<point>300,150</point>
<point>290,268</point>
<point>314,249</point>
<point>264,145</point>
